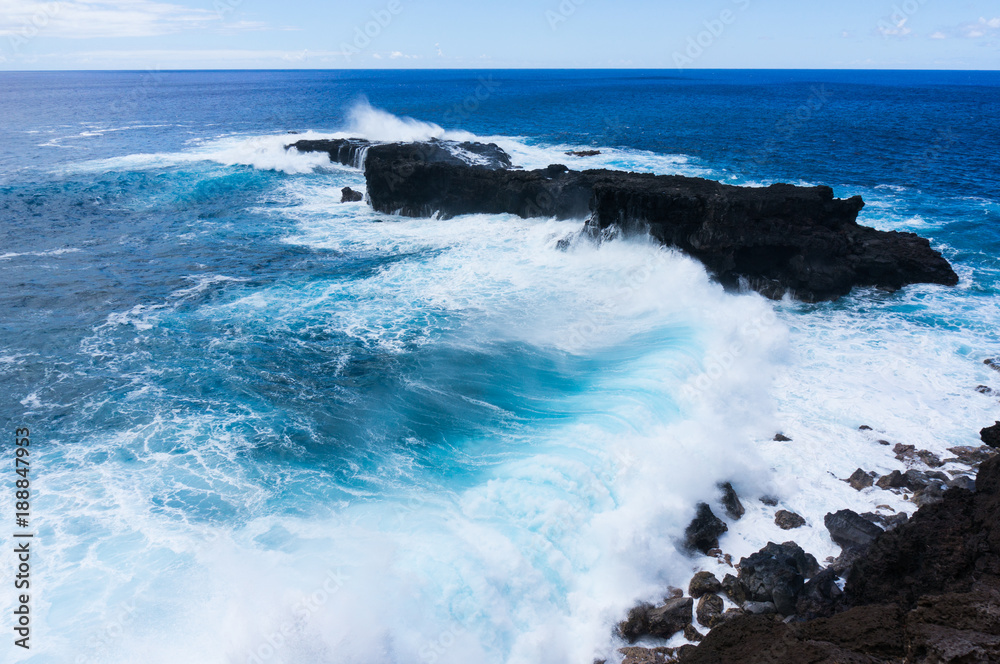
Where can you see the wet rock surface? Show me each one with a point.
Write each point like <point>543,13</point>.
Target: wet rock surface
<point>788,520</point>
<point>704,583</point>
<point>991,436</point>
<point>703,533</point>
<point>348,195</point>
<point>778,239</point>
<point>926,592</point>
<point>850,530</point>
<point>658,621</point>
<point>731,502</point>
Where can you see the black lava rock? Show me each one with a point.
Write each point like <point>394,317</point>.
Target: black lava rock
<point>731,502</point>
<point>778,239</point>
<point>991,436</point>
<point>850,530</point>
<point>704,583</point>
<point>348,195</point>
<point>777,574</point>
<point>661,622</point>
<point>703,533</point>
<point>788,520</point>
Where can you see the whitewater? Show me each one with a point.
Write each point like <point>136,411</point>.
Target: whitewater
<point>353,437</point>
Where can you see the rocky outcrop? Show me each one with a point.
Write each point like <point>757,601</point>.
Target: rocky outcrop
<point>662,621</point>
<point>775,239</point>
<point>776,574</point>
<point>860,480</point>
<point>704,583</point>
<point>850,530</point>
<point>348,195</point>
<point>788,520</point>
<point>991,436</point>
<point>703,533</point>
<point>731,502</point>
<point>927,592</point>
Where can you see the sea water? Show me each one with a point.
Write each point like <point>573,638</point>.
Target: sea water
<point>271,427</point>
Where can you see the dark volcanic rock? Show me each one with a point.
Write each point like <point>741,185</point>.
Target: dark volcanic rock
<point>635,655</point>
<point>344,151</point>
<point>860,480</point>
<point>583,153</point>
<point>894,480</point>
<point>991,436</point>
<point>927,592</point>
<point>354,152</point>
<point>992,364</point>
<point>779,238</point>
<point>819,596</point>
<point>348,195</point>
<point>734,590</point>
<point>691,633</point>
<point>776,574</point>
<point>904,452</point>
<point>709,611</point>
<point>850,530</point>
<point>731,502</point>
<point>972,456</point>
<point>929,458</point>
<point>662,621</point>
<point>704,583</point>
<point>703,533</point>
<point>788,520</point>
<point>782,438</point>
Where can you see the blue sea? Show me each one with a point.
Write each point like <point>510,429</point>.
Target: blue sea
<point>268,426</point>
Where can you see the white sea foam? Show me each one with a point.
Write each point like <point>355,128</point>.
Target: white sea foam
<point>39,254</point>
<point>269,152</point>
<point>565,523</point>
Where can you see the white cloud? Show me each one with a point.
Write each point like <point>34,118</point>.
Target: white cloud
<point>984,27</point>
<point>106,18</point>
<point>895,29</point>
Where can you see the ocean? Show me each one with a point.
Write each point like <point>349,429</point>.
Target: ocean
<point>268,426</point>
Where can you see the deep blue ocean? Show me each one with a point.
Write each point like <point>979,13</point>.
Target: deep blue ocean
<point>271,427</point>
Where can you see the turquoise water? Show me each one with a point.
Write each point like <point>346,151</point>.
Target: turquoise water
<point>273,427</point>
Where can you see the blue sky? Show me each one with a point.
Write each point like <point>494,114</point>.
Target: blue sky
<point>370,34</point>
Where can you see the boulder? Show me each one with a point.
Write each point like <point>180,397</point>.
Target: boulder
<point>850,530</point>
<point>691,633</point>
<point>788,520</point>
<point>731,502</point>
<point>927,592</point>
<point>703,533</point>
<point>992,364</point>
<point>777,574</point>
<point>710,610</point>
<point>704,583</point>
<point>894,480</point>
<point>661,622</point>
<point>972,456</point>
<point>929,458</point>
<point>734,590</point>
<point>860,480</point>
<point>348,195</point>
<point>991,436</point>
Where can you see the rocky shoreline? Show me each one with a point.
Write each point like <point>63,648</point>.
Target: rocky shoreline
<point>921,590</point>
<point>776,239</point>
